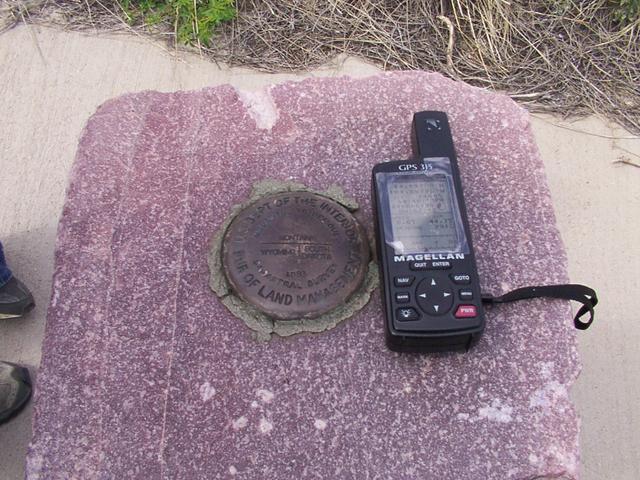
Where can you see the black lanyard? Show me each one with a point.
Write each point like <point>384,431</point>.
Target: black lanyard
<point>585,295</point>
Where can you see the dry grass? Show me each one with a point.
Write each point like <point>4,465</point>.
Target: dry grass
<point>562,56</point>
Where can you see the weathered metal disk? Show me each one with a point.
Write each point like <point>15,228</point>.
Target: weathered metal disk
<point>295,255</point>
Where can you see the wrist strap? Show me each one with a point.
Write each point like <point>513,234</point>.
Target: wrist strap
<point>585,295</point>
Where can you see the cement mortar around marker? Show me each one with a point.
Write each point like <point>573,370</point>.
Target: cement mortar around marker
<point>261,324</point>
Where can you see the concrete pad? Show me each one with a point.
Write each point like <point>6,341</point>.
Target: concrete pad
<point>47,99</point>
<point>597,202</point>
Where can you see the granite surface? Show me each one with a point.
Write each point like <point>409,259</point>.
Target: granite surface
<point>145,374</point>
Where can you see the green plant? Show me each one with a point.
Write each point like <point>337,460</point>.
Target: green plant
<point>627,11</point>
<point>193,21</point>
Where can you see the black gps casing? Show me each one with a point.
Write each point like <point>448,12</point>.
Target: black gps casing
<point>415,286</point>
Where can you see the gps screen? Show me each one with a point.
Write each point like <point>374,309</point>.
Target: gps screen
<point>422,214</point>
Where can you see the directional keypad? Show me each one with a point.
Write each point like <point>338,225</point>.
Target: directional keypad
<point>434,296</point>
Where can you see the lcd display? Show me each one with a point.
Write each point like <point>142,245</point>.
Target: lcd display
<point>422,214</point>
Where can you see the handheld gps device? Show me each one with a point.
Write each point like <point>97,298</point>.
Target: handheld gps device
<point>430,287</point>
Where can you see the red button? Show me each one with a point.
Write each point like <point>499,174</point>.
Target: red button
<point>466,311</point>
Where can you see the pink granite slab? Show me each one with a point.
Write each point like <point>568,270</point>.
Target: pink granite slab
<point>146,375</point>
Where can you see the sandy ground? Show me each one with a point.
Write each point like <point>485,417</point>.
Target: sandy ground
<point>52,81</point>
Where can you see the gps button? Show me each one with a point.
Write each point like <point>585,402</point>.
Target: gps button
<point>419,265</point>
<point>461,278</point>
<point>407,314</point>
<point>403,281</point>
<point>466,294</point>
<point>466,311</point>
<point>402,297</point>
<point>440,265</point>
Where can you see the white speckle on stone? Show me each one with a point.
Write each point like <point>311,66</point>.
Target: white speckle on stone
<point>254,404</point>
<point>406,456</point>
<point>35,461</point>
<point>463,416</point>
<point>265,395</point>
<point>239,423</point>
<point>261,107</point>
<point>411,472</point>
<point>320,424</point>
<point>496,412</point>
<point>207,392</point>
<point>407,389</point>
<point>562,456</point>
<point>265,426</point>
<point>546,369</point>
<point>233,470</point>
<point>56,296</point>
<point>549,394</point>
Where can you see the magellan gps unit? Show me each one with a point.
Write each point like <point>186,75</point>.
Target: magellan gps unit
<point>430,282</point>
<point>430,286</point>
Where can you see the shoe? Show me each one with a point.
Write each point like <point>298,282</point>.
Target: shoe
<point>15,299</point>
<point>15,389</point>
